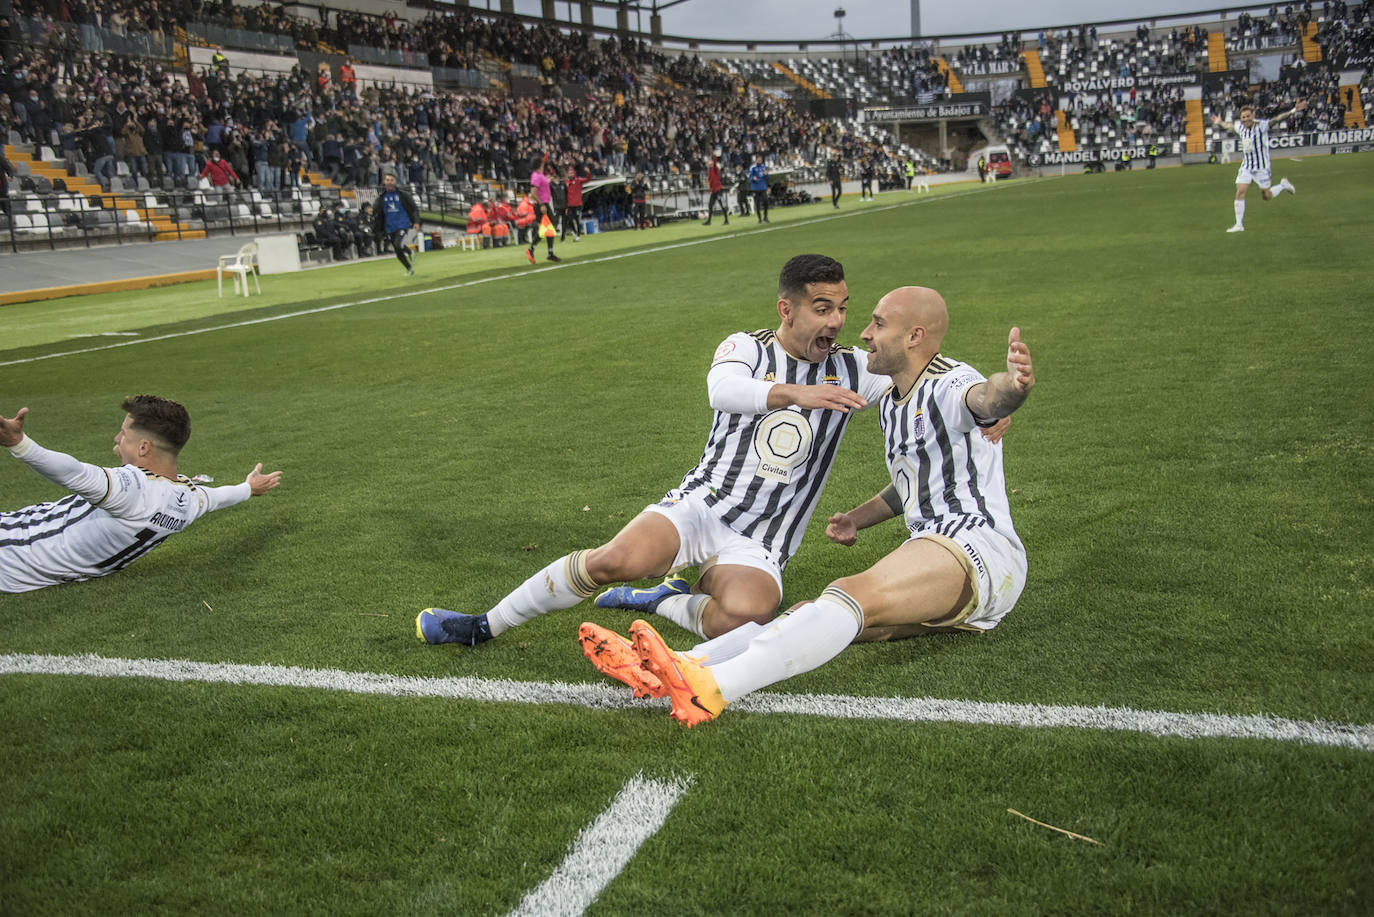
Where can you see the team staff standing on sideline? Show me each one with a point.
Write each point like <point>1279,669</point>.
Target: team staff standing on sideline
<point>758,184</point>
<point>395,218</point>
<point>113,515</point>
<point>572,217</point>
<point>717,193</point>
<point>832,172</point>
<point>1254,162</point>
<point>963,568</point>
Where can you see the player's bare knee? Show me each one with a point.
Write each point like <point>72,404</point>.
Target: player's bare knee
<point>618,563</point>
<point>721,618</point>
<point>856,587</point>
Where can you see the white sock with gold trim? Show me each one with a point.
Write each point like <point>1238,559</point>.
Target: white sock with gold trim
<point>684,611</point>
<point>796,642</point>
<point>562,584</point>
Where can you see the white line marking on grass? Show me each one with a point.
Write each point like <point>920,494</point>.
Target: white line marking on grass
<point>508,276</point>
<point>604,848</point>
<point>604,697</point>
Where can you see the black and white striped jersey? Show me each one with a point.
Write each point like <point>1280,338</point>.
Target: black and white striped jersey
<point>762,473</point>
<point>1254,145</point>
<point>83,536</point>
<point>948,476</point>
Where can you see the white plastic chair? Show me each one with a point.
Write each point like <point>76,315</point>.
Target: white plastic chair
<point>240,265</point>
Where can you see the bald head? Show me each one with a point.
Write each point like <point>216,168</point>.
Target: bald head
<point>920,307</point>
<point>908,327</point>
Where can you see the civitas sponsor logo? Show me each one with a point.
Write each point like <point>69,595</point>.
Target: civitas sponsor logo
<point>773,469</point>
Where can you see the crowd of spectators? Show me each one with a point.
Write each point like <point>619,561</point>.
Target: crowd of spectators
<point>612,106</point>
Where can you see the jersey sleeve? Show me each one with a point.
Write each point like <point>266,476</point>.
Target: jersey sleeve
<point>89,481</point>
<point>949,398</point>
<point>213,498</point>
<point>730,384</point>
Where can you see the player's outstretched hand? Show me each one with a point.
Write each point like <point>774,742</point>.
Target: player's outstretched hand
<point>12,428</point>
<point>994,433</point>
<point>1019,362</point>
<point>261,483</point>
<point>840,529</point>
<point>827,397</point>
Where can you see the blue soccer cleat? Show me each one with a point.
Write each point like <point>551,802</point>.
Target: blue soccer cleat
<point>644,601</point>
<point>439,625</point>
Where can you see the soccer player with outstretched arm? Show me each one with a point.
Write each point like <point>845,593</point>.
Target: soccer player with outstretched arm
<point>113,515</point>
<point>1254,150</point>
<point>962,566</point>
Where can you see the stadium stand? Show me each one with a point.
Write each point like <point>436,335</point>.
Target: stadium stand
<point>312,109</point>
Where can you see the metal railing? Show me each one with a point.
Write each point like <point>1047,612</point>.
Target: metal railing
<point>100,219</point>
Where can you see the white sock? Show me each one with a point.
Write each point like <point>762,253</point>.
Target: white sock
<point>1281,187</point>
<point>685,611</point>
<point>1240,213</point>
<point>562,584</point>
<point>727,646</point>
<point>798,641</point>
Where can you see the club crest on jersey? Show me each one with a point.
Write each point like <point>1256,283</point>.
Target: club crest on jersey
<point>918,424</point>
<point>831,380</point>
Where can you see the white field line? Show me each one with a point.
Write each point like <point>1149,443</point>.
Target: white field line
<point>508,276</point>
<point>604,848</point>
<point>605,697</point>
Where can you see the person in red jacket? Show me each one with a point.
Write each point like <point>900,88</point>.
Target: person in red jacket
<point>717,193</point>
<point>219,171</point>
<point>477,217</point>
<point>523,218</point>
<point>572,216</point>
<point>503,216</point>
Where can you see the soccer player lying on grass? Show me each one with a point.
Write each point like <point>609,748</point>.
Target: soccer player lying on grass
<point>114,515</point>
<point>963,566</point>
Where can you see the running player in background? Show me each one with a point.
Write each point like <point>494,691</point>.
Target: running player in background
<point>963,566</point>
<point>114,515</point>
<point>1254,151</point>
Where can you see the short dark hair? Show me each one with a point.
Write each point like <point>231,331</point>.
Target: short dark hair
<point>160,417</point>
<point>802,270</point>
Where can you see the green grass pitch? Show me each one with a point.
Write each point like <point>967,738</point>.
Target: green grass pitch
<point>1191,477</point>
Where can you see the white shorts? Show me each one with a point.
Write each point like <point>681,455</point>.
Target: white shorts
<point>997,569</point>
<point>706,541</point>
<point>1259,176</point>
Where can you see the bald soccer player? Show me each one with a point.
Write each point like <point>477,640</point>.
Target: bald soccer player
<point>963,566</point>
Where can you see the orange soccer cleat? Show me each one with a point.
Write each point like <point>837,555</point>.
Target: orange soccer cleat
<point>690,685</point>
<point>615,657</point>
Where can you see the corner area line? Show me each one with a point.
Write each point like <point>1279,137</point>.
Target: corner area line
<point>1156,723</point>
<point>507,276</point>
<point>603,849</point>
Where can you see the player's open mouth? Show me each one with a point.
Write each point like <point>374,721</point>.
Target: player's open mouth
<point>824,343</point>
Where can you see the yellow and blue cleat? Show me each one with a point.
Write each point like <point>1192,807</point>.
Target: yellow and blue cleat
<point>644,601</point>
